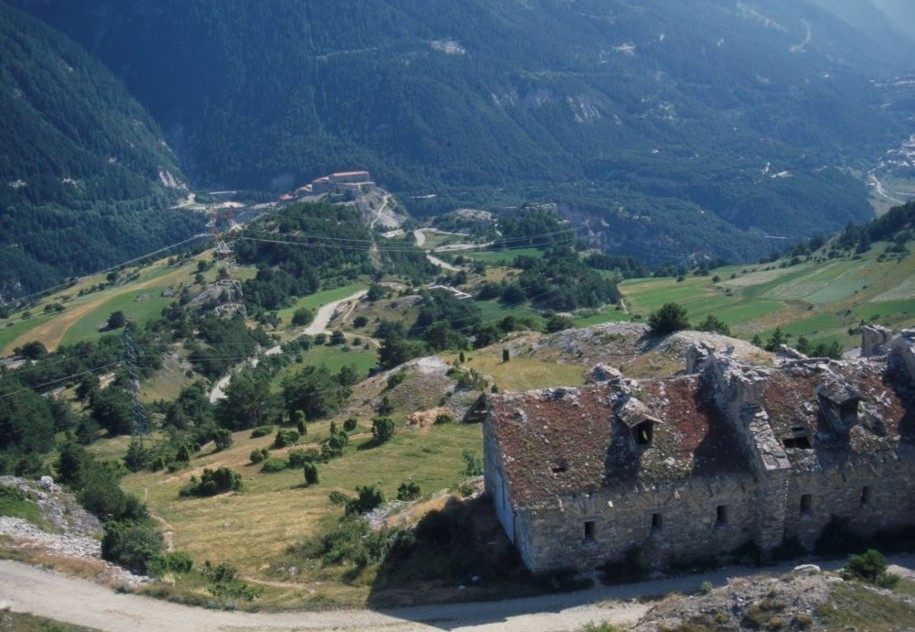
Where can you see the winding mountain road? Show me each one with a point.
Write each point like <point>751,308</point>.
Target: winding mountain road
<point>318,326</point>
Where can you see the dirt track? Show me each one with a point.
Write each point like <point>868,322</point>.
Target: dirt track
<point>28,589</point>
<point>25,588</point>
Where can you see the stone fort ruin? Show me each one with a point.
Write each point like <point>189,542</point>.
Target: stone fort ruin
<point>727,456</point>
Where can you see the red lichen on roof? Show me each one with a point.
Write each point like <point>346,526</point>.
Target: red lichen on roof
<point>693,437</point>
<point>576,430</point>
<point>790,399</point>
<point>540,429</point>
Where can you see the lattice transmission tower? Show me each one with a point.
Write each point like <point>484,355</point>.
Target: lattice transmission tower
<point>130,355</point>
<point>230,296</point>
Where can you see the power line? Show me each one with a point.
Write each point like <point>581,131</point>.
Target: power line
<point>116,266</point>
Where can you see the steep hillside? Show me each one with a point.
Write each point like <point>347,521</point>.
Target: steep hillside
<point>695,127</point>
<point>86,179</point>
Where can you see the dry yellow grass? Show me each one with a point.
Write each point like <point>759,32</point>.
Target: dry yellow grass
<point>52,332</point>
<point>522,373</point>
<point>252,528</point>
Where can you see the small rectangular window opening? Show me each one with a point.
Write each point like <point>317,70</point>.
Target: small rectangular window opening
<point>721,518</point>
<point>802,443</point>
<point>559,466</point>
<point>657,522</point>
<point>644,433</point>
<point>806,504</point>
<point>866,495</point>
<point>589,530</point>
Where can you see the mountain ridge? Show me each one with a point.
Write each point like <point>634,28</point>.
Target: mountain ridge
<point>85,176</point>
<point>723,123</point>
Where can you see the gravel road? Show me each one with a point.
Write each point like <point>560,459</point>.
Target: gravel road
<point>318,326</point>
<point>25,588</point>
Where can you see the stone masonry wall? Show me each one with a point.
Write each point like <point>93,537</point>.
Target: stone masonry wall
<point>690,527</point>
<point>738,393</point>
<point>888,503</point>
<point>494,481</point>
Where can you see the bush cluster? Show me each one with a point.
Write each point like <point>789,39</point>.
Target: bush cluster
<point>212,482</point>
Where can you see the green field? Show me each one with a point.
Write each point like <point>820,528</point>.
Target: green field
<point>819,300</point>
<point>495,256</point>
<point>334,358</point>
<point>141,300</point>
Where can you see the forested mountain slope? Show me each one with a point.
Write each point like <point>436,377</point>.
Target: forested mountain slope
<point>82,165</point>
<point>696,126</point>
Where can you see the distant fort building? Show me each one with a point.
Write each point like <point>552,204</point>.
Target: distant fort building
<point>344,182</point>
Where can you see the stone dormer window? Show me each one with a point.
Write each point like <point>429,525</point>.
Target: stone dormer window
<point>634,415</point>
<point>839,404</point>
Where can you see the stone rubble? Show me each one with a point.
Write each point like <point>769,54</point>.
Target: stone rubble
<point>74,533</point>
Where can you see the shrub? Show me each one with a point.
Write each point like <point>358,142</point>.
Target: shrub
<point>706,587</point>
<point>310,471</point>
<point>395,379</point>
<point>133,546</point>
<point>669,318</point>
<point>273,465</point>
<point>177,562</point>
<point>258,455</point>
<point>224,582</point>
<point>102,496</point>
<point>869,566</point>
<point>285,437</point>
<point>408,490</point>
<point>299,457</point>
<point>473,466</point>
<point>302,316</point>
<point>261,431</point>
<point>223,439</point>
<point>350,424</point>
<point>382,429</point>
<point>212,482</point>
<point>443,418</point>
<point>138,456</point>
<point>385,407</point>
<point>368,498</point>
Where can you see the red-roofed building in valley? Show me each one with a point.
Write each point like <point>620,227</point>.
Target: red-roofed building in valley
<point>730,457</point>
<point>349,177</point>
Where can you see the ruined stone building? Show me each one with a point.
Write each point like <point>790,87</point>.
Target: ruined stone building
<point>703,464</point>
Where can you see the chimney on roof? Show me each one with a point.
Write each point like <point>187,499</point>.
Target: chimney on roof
<point>875,340</point>
<point>839,404</point>
<point>902,352</point>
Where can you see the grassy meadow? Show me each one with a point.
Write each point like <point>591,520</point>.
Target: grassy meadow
<point>141,300</point>
<point>819,300</point>
<point>252,529</point>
